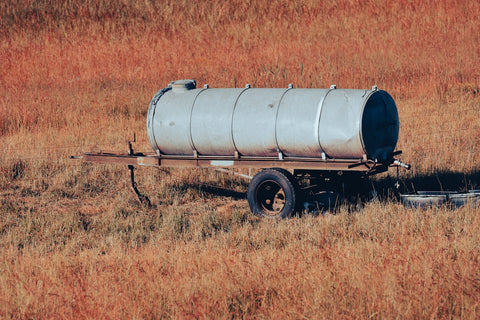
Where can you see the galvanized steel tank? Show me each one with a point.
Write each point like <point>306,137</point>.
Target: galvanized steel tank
<point>272,122</point>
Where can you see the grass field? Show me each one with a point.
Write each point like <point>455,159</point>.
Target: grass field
<point>74,243</point>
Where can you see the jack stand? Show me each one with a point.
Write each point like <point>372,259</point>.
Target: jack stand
<point>143,200</point>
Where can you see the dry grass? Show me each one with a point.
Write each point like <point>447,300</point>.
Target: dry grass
<point>73,241</point>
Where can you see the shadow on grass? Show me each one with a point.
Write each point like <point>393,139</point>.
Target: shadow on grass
<point>362,190</point>
<point>435,181</point>
<point>215,191</point>
<point>223,192</point>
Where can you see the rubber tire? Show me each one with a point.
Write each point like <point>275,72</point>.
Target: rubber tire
<point>299,195</point>
<point>273,177</point>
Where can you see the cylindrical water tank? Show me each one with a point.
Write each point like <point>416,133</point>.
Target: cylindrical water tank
<point>290,122</point>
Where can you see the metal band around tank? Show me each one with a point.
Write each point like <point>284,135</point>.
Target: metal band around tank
<point>233,116</point>
<point>276,119</point>
<point>190,138</point>
<point>367,95</point>
<point>317,132</point>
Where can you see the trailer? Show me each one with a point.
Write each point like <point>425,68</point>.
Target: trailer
<point>298,139</point>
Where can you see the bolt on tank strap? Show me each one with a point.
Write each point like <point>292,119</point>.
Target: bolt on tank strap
<point>151,114</point>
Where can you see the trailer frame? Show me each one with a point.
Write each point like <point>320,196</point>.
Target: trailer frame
<point>316,166</point>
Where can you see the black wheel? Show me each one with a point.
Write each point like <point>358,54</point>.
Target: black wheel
<point>273,193</point>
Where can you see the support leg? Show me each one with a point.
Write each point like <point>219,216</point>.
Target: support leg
<point>143,200</point>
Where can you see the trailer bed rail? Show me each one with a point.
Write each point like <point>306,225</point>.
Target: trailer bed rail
<point>369,167</point>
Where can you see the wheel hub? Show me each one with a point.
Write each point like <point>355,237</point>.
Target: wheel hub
<point>270,197</point>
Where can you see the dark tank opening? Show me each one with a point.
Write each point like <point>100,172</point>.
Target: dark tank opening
<point>380,125</point>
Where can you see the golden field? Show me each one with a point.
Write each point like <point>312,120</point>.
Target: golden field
<point>74,243</point>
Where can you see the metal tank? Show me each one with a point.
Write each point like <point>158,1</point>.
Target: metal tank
<point>272,122</point>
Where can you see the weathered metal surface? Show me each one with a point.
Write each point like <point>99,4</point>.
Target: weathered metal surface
<point>355,122</point>
<point>170,121</point>
<point>302,123</point>
<point>254,122</point>
<point>425,199</point>
<point>298,122</point>
<point>461,199</point>
<point>211,122</point>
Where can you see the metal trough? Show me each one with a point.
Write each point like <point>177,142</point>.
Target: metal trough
<point>429,199</point>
